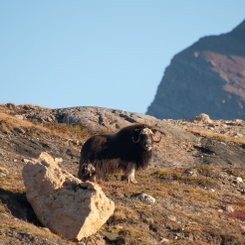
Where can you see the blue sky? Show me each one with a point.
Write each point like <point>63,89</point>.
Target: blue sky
<point>113,54</point>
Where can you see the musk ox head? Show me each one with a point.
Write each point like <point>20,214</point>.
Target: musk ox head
<point>145,137</point>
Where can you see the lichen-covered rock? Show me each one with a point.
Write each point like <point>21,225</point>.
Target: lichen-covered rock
<point>64,204</point>
<point>203,118</point>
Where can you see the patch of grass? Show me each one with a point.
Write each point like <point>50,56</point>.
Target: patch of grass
<point>181,177</point>
<point>209,171</point>
<point>12,184</point>
<point>168,174</point>
<point>4,127</point>
<point>70,130</point>
<point>200,181</point>
<point>21,226</point>
<point>135,234</point>
<point>123,213</point>
<point>237,172</point>
<point>216,136</point>
<point>11,122</point>
<point>195,193</point>
<point>2,208</point>
<point>73,131</point>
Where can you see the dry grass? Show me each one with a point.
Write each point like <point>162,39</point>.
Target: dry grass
<point>216,136</point>
<point>13,183</point>
<point>188,198</point>
<point>135,217</point>
<point>209,171</point>
<point>68,130</point>
<point>123,213</point>
<point>237,172</point>
<point>179,176</point>
<point>8,123</point>
<point>142,223</point>
<point>25,227</point>
<point>3,208</point>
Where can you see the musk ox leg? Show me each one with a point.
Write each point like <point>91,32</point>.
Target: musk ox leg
<point>130,174</point>
<point>87,172</point>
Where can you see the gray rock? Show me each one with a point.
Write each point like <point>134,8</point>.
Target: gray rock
<point>101,119</point>
<point>239,180</point>
<point>26,160</point>
<point>172,217</point>
<point>164,241</point>
<point>176,149</point>
<point>191,172</point>
<point>21,117</point>
<point>242,190</point>
<point>144,197</point>
<point>20,130</point>
<point>229,209</point>
<point>67,206</point>
<point>203,118</point>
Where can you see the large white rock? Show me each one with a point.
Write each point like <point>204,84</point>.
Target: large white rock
<point>64,204</point>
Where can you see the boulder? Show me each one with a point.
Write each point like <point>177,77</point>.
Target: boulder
<point>203,118</point>
<point>67,206</point>
<point>144,197</point>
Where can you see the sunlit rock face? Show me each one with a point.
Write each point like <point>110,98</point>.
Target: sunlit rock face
<point>208,77</point>
<point>67,206</point>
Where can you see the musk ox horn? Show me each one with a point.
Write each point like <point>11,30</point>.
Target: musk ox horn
<point>136,140</point>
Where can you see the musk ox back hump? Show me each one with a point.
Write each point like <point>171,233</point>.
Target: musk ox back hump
<point>94,148</point>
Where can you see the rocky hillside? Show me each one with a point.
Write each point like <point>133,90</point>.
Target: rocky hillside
<point>207,77</point>
<point>196,177</point>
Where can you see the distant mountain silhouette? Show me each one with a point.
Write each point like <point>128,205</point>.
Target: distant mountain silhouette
<point>207,77</point>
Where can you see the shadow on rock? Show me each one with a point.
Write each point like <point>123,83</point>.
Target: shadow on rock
<point>18,206</point>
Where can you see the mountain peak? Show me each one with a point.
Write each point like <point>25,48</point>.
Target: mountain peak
<point>239,31</point>
<point>208,77</point>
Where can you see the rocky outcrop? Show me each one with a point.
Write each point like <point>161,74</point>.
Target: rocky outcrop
<point>208,77</point>
<point>62,202</point>
<point>101,119</point>
<point>214,179</point>
<point>179,145</point>
<point>104,120</point>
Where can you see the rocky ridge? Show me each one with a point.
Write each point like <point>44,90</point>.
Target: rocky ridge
<point>207,77</point>
<point>193,192</point>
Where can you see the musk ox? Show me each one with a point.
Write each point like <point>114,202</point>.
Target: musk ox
<point>128,150</point>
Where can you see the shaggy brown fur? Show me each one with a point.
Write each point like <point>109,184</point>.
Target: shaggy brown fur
<point>129,149</point>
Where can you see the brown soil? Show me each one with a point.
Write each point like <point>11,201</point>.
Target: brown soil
<point>193,177</point>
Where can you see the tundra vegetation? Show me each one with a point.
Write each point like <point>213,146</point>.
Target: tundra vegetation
<point>197,204</point>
